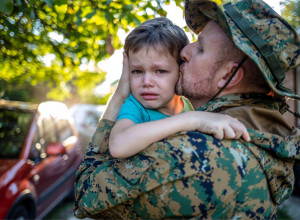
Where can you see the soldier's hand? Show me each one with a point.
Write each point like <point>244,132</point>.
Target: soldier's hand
<point>123,88</point>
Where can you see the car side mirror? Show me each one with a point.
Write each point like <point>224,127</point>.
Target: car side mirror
<point>54,149</point>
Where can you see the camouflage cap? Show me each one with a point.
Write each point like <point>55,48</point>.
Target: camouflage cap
<point>258,31</point>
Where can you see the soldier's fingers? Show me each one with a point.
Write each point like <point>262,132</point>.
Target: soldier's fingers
<point>125,58</point>
<point>125,64</point>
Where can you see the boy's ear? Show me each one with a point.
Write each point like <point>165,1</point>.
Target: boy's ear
<point>227,71</point>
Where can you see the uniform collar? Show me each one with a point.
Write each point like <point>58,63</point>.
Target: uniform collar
<point>245,99</point>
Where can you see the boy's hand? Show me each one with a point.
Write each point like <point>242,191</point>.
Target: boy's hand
<point>222,126</point>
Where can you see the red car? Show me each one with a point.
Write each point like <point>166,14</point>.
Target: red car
<point>39,155</point>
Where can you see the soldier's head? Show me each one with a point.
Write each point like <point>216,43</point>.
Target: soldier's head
<point>249,29</point>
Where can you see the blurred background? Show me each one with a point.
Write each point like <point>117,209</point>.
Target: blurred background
<point>70,51</point>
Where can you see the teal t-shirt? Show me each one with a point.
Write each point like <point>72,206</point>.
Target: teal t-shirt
<point>134,111</point>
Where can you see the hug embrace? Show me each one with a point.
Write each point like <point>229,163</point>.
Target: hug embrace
<point>197,129</point>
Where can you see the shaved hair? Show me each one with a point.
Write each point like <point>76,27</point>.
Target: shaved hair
<point>253,78</point>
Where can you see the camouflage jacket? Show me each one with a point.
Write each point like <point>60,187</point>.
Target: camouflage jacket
<point>191,174</point>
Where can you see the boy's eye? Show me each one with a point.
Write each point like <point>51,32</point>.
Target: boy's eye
<point>136,72</point>
<point>161,71</point>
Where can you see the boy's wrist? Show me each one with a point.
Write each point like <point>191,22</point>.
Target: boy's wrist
<point>189,121</point>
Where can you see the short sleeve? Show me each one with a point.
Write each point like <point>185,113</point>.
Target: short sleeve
<point>132,110</point>
<point>187,105</point>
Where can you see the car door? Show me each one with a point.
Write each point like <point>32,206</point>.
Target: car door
<point>48,169</point>
<point>73,152</point>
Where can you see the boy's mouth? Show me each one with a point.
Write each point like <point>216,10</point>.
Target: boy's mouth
<point>149,96</point>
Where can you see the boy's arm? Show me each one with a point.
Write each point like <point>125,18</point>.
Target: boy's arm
<point>128,138</point>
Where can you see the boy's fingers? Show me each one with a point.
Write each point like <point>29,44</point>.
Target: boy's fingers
<point>246,135</point>
<point>238,134</point>
<point>240,131</point>
<point>229,133</point>
<point>218,133</point>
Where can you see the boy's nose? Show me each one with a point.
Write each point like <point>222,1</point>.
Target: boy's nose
<point>148,80</point>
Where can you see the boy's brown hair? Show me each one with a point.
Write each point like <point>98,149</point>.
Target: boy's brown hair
<point>159,33</point>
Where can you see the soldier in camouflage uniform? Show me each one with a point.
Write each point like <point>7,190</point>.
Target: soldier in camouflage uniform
<point>191,174</point>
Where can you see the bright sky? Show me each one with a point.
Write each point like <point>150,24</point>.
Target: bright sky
<point>113,65</point>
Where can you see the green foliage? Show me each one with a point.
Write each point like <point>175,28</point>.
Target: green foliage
<point>66,34</point>
<point>72,33</point>
<point>98,100</point>
<point>15,90</point>
<point>291,11</point>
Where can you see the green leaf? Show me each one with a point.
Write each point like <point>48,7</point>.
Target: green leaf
<point>91,14</point>
<point>61,2</point>
<point>32,15</point>
<point>7,6</point>
<point>19,2</point>
<point>78,20</point>
<point>49,2</point>
<point>128,7</point>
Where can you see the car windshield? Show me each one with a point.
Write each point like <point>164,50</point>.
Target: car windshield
<point>14,125</point>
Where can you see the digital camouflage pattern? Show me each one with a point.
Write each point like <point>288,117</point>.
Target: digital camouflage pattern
<point>280,39</point>
<point>191,174</point>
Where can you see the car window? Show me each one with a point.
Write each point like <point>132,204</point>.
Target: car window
<point>36,150</point>
<point>64,129</point>
<point>40,137</point>
<point>92,119</point>
<point>49,130</point>
<point>14,125</point>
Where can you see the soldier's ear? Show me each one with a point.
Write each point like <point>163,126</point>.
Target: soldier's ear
<point>227,70</point>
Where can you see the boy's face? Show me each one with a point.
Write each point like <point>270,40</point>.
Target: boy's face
<point>153,76</point>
